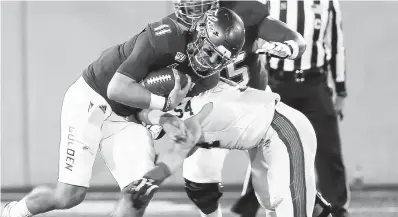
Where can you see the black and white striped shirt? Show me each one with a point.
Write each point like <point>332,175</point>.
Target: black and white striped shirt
<point>320,23</point>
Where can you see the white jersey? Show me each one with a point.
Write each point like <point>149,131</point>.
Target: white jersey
<point>239,119</point>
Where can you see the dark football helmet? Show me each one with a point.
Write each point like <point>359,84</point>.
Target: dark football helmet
<point>216,40</point>
<point>189,11</point>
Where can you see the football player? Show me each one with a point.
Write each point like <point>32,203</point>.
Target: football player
<point>202,170</point>
<point>281,143</point>
<point>96,107</point>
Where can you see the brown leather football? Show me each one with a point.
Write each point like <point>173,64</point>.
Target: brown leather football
<point>161,81</point>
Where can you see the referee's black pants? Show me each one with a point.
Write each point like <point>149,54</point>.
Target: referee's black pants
<point>314,99</point>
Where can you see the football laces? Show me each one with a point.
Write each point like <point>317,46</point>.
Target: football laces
<point>158,79</point>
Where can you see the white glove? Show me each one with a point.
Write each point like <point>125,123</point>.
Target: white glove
<point>288,49</point>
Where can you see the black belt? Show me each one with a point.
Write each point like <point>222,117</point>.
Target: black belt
<point>298,75</point>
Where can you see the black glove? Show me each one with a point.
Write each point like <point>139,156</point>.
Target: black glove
<point>141,192</point>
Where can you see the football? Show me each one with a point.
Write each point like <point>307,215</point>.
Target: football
<point>161,81</point>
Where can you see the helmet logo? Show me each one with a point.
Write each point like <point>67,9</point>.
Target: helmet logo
<point>180,57</point>
<point>211,20</point>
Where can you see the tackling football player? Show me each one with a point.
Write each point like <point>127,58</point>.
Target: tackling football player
<point>281,143</point>
<point>202,170</point>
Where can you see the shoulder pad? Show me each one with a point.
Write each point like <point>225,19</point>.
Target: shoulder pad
<point>164,35</point>
<point>251,12</point>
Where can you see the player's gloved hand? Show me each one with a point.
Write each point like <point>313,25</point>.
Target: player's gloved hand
<point>177,94</point>
<point>174,127</point>
<point>186,133</point>
<point>141,192</point>
<point>279,50</point>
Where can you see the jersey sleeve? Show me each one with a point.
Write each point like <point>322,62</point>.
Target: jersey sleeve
<point>164,35</point>
<point>251,12</point>
<point>338,59</point>
<point>143,55</point>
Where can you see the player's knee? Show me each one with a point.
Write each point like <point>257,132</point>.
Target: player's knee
<point>204,195</point>
<point>68,196</point>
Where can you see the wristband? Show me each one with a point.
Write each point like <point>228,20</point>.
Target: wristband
<point>157,102</point>
<point>159,173</point>
<point>294,48</point>
<point>167,105</point>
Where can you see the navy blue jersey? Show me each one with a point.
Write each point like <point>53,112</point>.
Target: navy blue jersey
<point>248,69</point>
<point>163,44</point>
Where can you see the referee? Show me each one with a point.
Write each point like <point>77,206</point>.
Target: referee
<point>302,84</point>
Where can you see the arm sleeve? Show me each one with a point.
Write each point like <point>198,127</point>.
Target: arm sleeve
<point>337,61</point>
<point>152,44</point>
<point>137,64</point>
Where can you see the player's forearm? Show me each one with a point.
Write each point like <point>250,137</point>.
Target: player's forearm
<point>149,116</point>
<point>337,66</point>
<point>277,31</point>
<point>127,91</point>
<point>169,164</point>
<point>133,95</point>
<point>175,157</point>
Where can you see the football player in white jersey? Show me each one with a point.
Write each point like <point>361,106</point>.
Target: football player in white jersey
<point>202,171</point>
<point>281,143</point>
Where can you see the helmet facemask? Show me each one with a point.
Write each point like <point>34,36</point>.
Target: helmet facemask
<point>205,58</point>
<point>189,11</point>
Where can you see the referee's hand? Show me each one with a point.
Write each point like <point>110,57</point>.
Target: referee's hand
<point>339,106</point>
